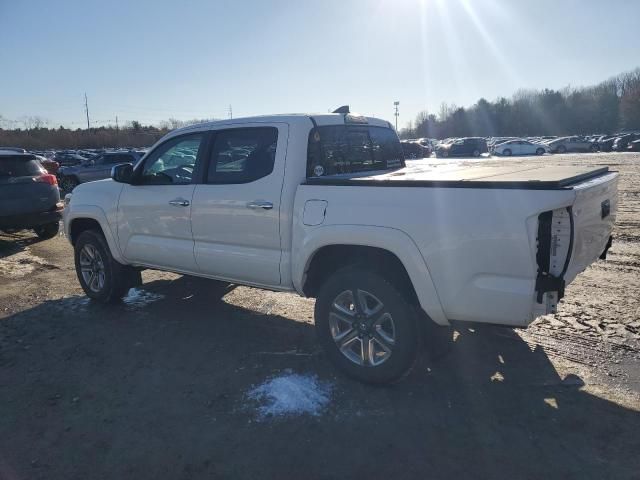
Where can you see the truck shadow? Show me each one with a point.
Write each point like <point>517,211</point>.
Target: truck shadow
<point>156,389</point>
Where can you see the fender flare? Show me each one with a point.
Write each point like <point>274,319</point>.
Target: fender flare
<point>96,213</point>
<point>393,240</point>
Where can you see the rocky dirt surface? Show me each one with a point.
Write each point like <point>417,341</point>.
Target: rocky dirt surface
<point>163,385</point>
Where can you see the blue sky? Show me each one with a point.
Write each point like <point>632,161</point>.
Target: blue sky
<point>151,60</point>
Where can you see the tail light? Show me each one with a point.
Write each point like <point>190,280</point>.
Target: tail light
<point>47,178</point>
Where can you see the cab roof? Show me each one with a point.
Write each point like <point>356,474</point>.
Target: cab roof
<point>310,119</point>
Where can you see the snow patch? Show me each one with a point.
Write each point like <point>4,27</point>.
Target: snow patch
<point>291,394</point>
<point>137,298</point>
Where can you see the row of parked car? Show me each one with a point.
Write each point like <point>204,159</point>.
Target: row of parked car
<point>72,167</point>
<point>508,146</point>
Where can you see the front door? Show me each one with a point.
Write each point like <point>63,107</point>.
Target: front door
<point>154,213</point>
<point>236,209</point>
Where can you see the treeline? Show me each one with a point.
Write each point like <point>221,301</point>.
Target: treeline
<point>36,137</point>
<point>611,106</point>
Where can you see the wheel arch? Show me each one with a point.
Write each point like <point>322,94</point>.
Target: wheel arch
<point>388,250</point>
<point>91,218</point>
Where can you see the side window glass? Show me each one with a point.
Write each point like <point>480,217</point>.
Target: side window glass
<point>242,155</point>
<point>173,162</point>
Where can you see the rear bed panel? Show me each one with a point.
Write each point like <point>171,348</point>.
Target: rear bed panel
<point>479,244</point>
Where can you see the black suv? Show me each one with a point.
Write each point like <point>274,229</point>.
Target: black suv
<point>463,147</point>
<point>29,196</point>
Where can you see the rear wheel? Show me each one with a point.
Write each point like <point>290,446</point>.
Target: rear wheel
<point>540,151</point>
<point>47,231</point>
<point>476,153</point>
<point>368,329</point>
<point>102,278</point>
<point>506,152</point>
<point>594,148</point>
<point>562,149</point>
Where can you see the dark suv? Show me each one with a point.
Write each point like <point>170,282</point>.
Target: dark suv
<point>97,168</point>
<point>29,195</point>
<point>463,147</point>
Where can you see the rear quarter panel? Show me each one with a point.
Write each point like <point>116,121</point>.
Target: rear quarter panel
<point>478,245</point>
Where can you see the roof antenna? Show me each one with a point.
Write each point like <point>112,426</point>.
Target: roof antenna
<point>342,109</point>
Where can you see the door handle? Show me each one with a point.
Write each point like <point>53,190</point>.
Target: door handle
<point>179,202</point>
<point>260,204</point>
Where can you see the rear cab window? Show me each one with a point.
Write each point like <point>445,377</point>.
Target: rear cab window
<point>343,149</point>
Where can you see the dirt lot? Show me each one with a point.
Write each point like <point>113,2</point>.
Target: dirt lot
<point>157,387</point>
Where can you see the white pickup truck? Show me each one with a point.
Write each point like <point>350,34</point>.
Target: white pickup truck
<point>324,205</point>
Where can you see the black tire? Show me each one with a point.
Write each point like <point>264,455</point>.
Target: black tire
<point>67,184</point>
<point>506,152</point>
<point>47,231</point>
<point>594,148</point>
<point>476,153</point>
<point>118,278</point>
<point>540,151</point>
<point>403,350</point>
<point>562,149</point>
<point>444,153</point>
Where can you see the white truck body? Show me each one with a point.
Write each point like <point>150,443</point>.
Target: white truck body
<point>469,238</point>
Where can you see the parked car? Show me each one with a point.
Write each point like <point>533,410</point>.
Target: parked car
<point>620,143</point>
<point>69,159</point>
<point>634,146</point>
<point>518,147</point>
<point>29,196</point>
<point>263,204</point>
<point>463,147</point>
<point>94,169</point>
<point>605,144</point>
<point>413,150</point>
<point>571,144</point>
<point>51,166</point>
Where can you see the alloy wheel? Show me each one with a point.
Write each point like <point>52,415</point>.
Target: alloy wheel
<point>362,328</point>
<point>92,268</point>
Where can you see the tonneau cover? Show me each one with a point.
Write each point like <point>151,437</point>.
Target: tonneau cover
<point>476,176</point>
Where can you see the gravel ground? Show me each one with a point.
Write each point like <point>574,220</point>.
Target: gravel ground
<point>194,379</point>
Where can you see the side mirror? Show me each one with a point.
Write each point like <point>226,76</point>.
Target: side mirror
<point>122,173</point>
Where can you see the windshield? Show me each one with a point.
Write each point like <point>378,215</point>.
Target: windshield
<point>339,149</point>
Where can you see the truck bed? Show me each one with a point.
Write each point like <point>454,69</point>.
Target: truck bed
<point>476,176</point>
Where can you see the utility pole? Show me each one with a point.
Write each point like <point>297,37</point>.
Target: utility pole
<point>86,109</point>
<point>395,104</point>
<point>117,123</point>
<point>230,112</point>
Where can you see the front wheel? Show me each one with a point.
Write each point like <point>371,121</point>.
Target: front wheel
<point>476,153</point>
<point>47,231</point>
<point>562,149</point>
<point>540,151</point>
<point>506,152</point>
<point>367,328</point>
<point>101,277</point>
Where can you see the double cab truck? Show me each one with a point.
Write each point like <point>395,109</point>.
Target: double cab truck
<point>325,206</point>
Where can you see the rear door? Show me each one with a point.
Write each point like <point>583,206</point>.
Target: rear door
<point>236,209</point>
<point>23,188</point>
<point>154,213</point>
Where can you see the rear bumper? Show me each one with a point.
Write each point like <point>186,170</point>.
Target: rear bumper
<point>30,220</point>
